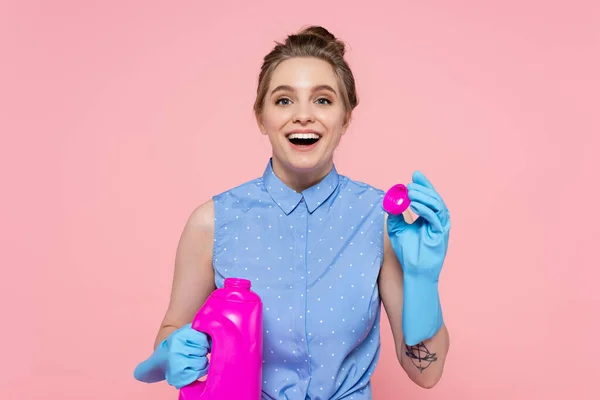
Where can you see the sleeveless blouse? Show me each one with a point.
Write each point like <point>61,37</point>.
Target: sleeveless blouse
<point>314,259</point>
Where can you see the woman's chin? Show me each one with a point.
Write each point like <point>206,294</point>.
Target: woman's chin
<point>305,161</point>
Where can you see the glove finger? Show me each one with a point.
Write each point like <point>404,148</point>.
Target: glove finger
<point>420,178</point>
<point>430,201</point>
<point>429,215</point>
<point>183,369</point>
<point>441,210</point>
<point>184,362</point>
<point>183,377</point>
<point>201,345</point>
<point>396,224</point>
<point>199,338</point>
<point>182,345</point>
<point>425,190</point>
<point>193,337</point>
<point>444,217</point>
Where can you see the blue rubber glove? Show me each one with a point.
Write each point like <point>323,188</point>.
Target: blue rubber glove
<point>180,359</point>
<point>421,249</point>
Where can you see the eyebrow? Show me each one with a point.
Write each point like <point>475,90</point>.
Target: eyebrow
<point>288,88</point>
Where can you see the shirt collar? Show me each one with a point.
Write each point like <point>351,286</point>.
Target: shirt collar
<point>288,199</point>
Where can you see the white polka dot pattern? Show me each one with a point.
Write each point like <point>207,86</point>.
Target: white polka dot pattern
<point>314,258</point>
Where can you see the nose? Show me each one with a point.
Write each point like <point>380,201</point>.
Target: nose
<point>304,114</point>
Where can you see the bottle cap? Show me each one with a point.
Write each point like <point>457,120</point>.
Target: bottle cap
<point>395,200</point>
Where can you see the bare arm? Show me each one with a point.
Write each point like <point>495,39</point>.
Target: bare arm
<point>423,363</point>
<point>193,278</point>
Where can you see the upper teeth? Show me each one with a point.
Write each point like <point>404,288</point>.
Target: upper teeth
<point>303,136</point>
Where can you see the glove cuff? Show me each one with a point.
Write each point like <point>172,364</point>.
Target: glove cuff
<point>422,311</point>
<point>154,368</point>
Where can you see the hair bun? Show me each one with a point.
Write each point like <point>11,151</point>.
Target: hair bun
<point>318,31</point>
<point>327,36</point>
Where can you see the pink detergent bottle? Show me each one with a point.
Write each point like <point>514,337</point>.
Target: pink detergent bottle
<point>232,317</point>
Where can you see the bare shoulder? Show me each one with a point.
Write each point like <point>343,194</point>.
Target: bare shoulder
<point>193,279</point>
<point>202,218</point>
<point>195,247</point>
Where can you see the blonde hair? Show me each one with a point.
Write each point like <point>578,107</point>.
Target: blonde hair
<point>314,41</point>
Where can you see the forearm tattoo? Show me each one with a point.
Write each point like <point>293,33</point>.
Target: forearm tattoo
<point>420,356</point>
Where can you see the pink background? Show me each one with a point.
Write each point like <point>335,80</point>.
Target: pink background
<point>118,118</point>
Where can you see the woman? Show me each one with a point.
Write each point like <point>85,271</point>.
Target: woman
<point>316,245</point>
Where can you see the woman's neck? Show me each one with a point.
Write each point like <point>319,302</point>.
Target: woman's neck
<point>300,180</point>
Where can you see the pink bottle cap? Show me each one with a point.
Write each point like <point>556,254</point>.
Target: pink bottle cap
<point>396,199</point>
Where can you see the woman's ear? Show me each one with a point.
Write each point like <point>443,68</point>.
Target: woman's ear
<point>346,124</point>
<point>260,124</point>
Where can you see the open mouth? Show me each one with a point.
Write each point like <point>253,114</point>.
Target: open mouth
<point>303,139</point>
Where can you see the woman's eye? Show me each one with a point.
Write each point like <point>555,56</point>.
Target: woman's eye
<point>283,102</point>
<point>323,100</point>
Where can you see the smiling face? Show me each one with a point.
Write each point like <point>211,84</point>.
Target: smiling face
<point>304,117</point>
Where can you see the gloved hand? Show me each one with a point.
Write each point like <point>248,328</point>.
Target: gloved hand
<point>180,359</point>
<point>421,249</point>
